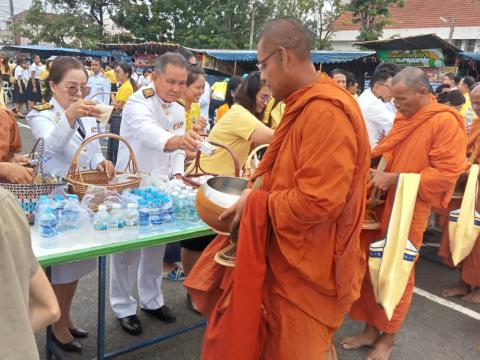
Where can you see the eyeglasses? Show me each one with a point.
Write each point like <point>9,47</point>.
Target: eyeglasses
<point>261,64</point>
<point>73,90</point>
<point>265,98</point>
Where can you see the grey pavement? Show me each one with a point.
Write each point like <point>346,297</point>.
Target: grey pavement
<point>431,332</point>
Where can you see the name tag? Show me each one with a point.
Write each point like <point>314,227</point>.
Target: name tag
<point>178,125</point>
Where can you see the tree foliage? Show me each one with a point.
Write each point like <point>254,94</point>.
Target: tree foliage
<point>62,29</point>
<point>193,23</point>
<point>372,16</point>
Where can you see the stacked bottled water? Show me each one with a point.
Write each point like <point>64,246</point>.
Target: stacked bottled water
<point>57,216</point>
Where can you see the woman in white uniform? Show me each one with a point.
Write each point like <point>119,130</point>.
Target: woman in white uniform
<point>65,122</point>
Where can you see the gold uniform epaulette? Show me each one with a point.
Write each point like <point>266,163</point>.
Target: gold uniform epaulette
<point>148,92</point>
<point>42,107</point>
<point>181,102</point>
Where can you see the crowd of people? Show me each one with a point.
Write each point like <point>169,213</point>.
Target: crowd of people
<point>301,264</point>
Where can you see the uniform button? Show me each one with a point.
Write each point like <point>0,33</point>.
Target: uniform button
<point>84,167</point>
<point>84,149</point>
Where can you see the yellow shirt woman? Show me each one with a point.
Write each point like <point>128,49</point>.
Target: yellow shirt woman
<point>221,111</point>
<point>126,89</point>
<point>235,130</point>
<point>191,115</point>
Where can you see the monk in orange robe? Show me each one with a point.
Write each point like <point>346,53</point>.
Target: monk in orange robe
<point>469,286</point>
<point>427,138</point>
<point>299,263</point>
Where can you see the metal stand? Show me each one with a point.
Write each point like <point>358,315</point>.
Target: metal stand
<point>54,351</point>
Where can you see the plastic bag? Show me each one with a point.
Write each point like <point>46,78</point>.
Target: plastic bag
<point>154,179</point>
<point>98,195</point>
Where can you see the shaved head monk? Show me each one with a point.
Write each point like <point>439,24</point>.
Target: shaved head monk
<point>427,138</point>
<point>469,286</point>
<point>299,264</point>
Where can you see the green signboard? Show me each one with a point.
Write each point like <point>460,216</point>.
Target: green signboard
<point>428,58</point>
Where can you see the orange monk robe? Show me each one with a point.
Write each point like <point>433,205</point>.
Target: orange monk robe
<point>431,143</point>
<point>315,173</point>
<point>10,142</point>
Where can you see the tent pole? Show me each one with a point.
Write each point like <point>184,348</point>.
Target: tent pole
<point>235,68</point>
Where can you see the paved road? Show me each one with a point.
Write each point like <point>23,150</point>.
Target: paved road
<point>432,331</point>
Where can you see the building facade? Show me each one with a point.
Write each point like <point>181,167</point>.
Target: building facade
<point>460,18</point>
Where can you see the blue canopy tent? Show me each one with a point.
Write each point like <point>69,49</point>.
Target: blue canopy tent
<point>47,51</point>
<point>235,62</point>
<point>318,57</point>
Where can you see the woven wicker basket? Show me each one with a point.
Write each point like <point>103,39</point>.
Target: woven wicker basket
<point>197,171</point>
<point>80,180</point>
<point>28,194</point>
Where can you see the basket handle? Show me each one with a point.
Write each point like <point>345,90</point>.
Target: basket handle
<point>40,144</point>
<point>132,164</point>
<point>197,168</point>
<point>101,93</point>
<point>250,157</point>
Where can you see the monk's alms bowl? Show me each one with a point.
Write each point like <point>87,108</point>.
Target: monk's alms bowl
<point>215,196</point>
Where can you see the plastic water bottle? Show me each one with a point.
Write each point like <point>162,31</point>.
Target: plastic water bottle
<point>69,219</point>
<point>156,212</point>
<point>167,209</point>
<point>118,220</point>
<point>59,205</point>
<point>47,224</point>
<point>131,215</point>
<point>191,208</point>
<point>180,208</point>
<point>143,213</point>
<point>102,219</point>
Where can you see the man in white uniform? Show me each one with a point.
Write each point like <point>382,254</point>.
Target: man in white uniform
<point>372,102</point>
<point>154,125</point>
<point>99,85</point>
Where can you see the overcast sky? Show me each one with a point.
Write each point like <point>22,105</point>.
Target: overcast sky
<point>18,6</point>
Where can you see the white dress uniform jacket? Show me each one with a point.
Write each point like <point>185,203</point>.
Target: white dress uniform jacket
<point>61,143</point>
<point>100,89</point>
<point>147,123</point>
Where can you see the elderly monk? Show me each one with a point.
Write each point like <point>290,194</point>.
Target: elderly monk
<point>469,286</point>
<point>299,263</point>
<point>427,138</point>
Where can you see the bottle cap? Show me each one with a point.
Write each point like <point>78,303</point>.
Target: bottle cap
<point>142,202</point>
<point>59,197</point>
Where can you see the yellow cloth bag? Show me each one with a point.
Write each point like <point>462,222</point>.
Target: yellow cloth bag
<point>391,260</point>
<point>464,223</point>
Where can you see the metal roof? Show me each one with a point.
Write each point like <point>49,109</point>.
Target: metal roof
<point>428,41</point>
<point>318,57</point>
<point>48,50</point>
<point>470,55</point>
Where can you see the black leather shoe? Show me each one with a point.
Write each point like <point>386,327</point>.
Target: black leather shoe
<point>131,325</point>
<point>78,333</point>
<point>162,314</point>
<point>72,346</point>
